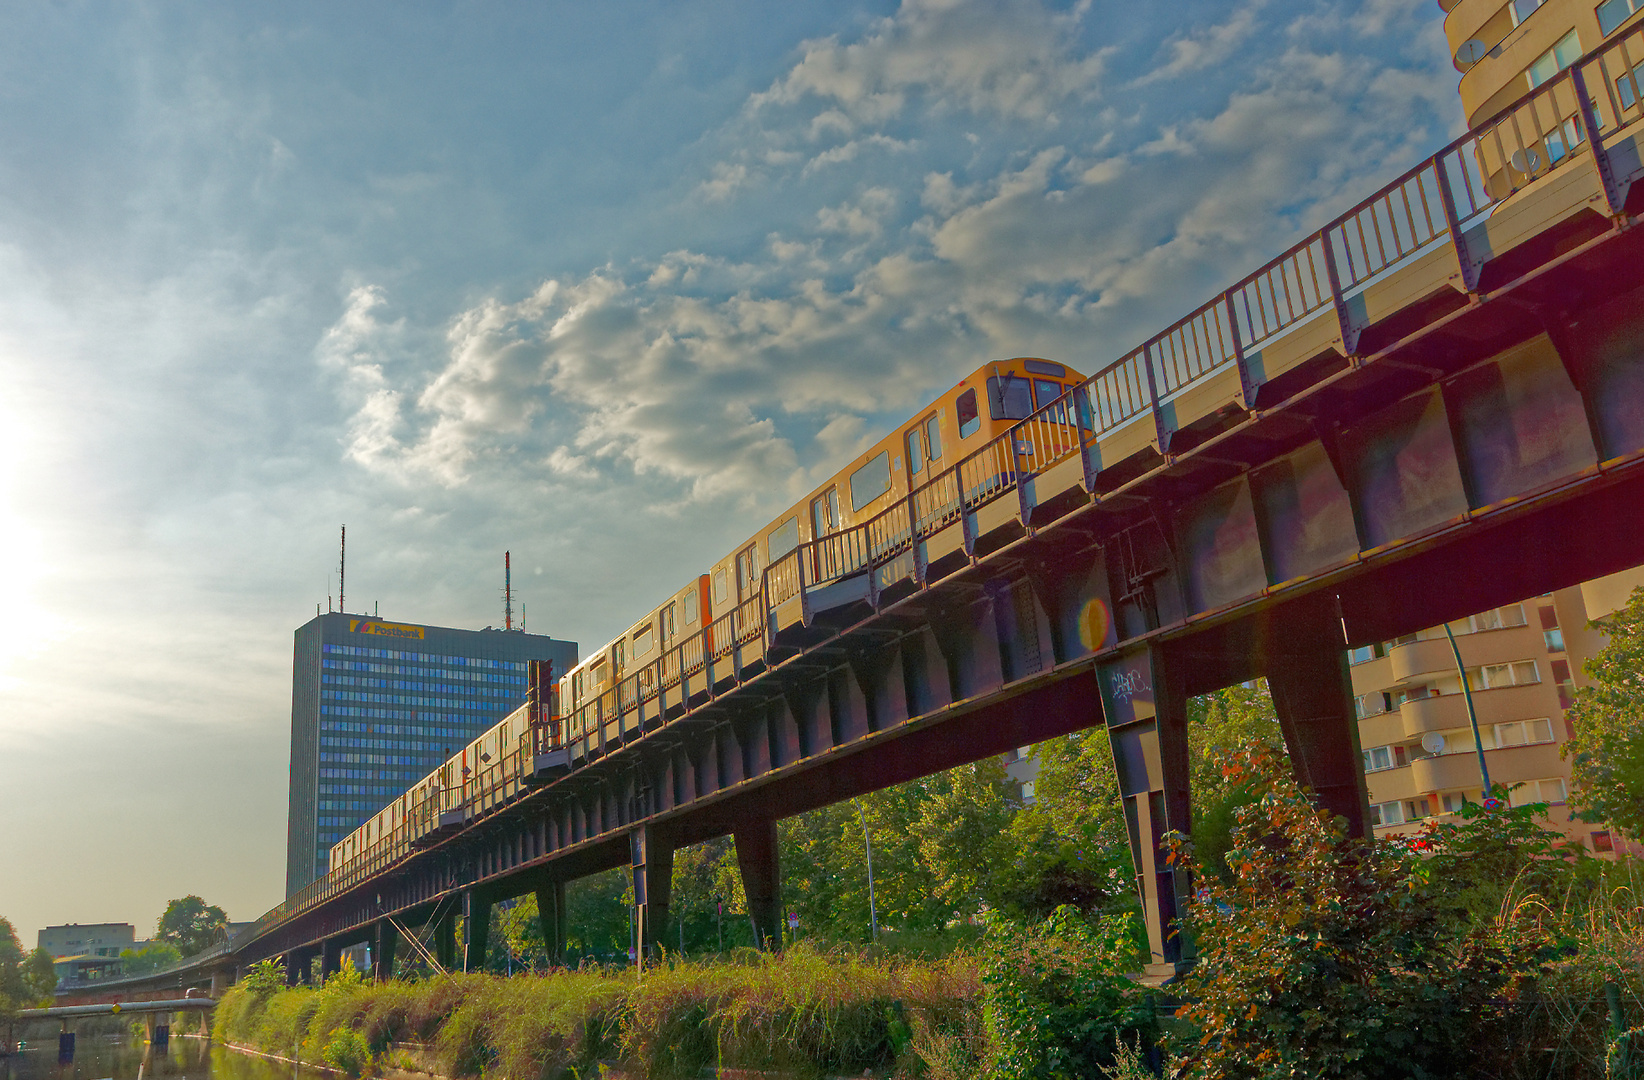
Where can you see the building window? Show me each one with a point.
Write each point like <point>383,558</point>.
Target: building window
<point>1366,653</point>
<point>1522,9</point>
<point>1554,60</point>
<point>1389,813</point>
<point>1602,841</point>
<point>1550,790</point>
<point>1498,618</point>
<point>1626,85</point>
<point>1612,13</point>
<point>1518,673</point>
<point>1554,639</point>
<point>1417,809</point>
<point>1378,758</point>
<point>1523,733</point>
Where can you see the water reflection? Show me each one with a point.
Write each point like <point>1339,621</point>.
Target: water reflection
<point>123,1058</point>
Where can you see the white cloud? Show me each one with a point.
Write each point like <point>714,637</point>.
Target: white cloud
<point>1209,46</point>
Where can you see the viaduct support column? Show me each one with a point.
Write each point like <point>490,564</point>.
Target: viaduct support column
<point>293,969</point>
<point>476,914</point>
<point>1146,710</point>
<point>445,939</point>
<point>330,958</point>
<point>653,866</point>
<point>1313,695</point>
<point>382,951</point>
<point>551,914</point>
<point>756,856</point>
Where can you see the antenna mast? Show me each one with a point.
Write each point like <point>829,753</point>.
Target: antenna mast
<point>508,590</point>
<point>342,570</point>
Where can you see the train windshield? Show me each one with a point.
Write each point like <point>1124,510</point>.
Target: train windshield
<point>1009,397</point>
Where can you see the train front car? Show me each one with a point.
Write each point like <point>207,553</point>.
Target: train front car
<point>898,506</point>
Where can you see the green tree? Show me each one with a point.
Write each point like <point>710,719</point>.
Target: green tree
<point>26,978</point>
<point>192,925</point>
<point>1606,746</point>
<point>151,957</point>
<point>38,975</point>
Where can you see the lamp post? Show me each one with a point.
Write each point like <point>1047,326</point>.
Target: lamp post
<point>1472,715</point>
<point>867,844</point>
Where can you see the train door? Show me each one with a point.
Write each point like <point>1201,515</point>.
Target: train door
<point>825,514</point>
<point>747,573</point>
<point>924,446</point>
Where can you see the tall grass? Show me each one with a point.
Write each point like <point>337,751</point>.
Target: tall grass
<point>801,1012</point>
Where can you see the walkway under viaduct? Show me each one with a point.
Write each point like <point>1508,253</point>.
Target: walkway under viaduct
<point>1432,406</point>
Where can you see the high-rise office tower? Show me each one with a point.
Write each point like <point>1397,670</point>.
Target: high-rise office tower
<point>377,705</point>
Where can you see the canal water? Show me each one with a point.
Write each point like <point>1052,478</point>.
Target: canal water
<point>125,1058</point>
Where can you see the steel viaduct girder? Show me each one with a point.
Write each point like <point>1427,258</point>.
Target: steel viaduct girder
<point>1341,508</point>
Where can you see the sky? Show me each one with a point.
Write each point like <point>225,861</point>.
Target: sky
<point>604,285</point>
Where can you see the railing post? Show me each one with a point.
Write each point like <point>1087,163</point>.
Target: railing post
<point>1024,511</point>
<point>1601,156</point>
<point>1159,429</point>
<point>1247,387</point>
<point>1464,256</point>
<point>913,542</point>
<point>1349,334</point>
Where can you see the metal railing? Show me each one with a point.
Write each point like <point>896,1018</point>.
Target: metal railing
<point>1435,202</point>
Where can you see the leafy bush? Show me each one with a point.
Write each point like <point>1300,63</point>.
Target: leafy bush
<point>1058,1002</point>
<point>346,1050</point>
<point>1331,956</point>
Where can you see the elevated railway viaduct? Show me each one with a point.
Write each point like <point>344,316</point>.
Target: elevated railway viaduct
<point>1448,377</point>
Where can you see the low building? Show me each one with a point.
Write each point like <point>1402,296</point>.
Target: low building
<point>93,940</point>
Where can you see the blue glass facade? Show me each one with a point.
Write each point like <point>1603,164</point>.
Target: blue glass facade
<point>376,706</point>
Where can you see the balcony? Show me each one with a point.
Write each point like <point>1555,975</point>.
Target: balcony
<point>1450,772</point>
<point>1414,659</point>
<point>1443,712</point>
<point>1433,656</point>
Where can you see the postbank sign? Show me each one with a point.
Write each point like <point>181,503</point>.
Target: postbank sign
<point>385,629</point>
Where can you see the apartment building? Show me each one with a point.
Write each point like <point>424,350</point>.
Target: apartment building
<point>1506,48</point>
<point>1523,666</point>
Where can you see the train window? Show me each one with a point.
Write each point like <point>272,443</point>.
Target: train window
<point>747,571</point>
<point>916,460</point>
<point>964,411</point>
<point>933,439</point>
<point>1045,392</point>
<point>669,626</point>
<point>870,481</point>
<point>1045,367</point>
<point>1008,397</point>
<point>643,641</point>
<point>782,539</point>
<point>825,514</point>
<point>619,658</point>
<point>719,585</point>
<point>690,608</point>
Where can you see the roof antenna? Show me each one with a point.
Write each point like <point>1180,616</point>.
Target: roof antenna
<point>342,571</point>
<point>508,590</point>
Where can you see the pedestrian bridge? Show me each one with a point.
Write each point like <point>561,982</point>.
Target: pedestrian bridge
<point>1432,406</point>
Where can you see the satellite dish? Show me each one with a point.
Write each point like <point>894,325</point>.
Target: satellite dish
<point>1471,52</point>
<point>1525,161</point>
<point>1432,742</point>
